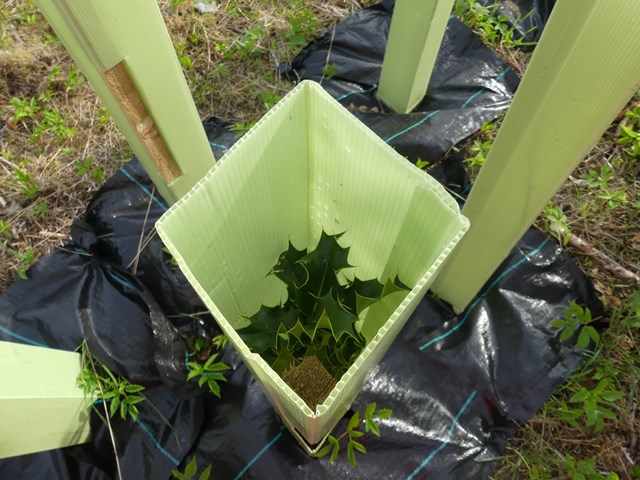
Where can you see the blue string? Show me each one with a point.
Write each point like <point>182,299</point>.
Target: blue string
<point>466,102</point>
<point>120,280</point>
<point>366,90</point>
<point>219,145</point>
<point>144,189</point>
<point>485,293</point>
<point>447,439</point>
<point>23,338</point>
<point>259,454</point>
<point>484,88</point>
<point>146,430</point>
<point>411,127</point>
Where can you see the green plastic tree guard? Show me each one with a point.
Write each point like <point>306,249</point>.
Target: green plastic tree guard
<point>124,50</point>
<point>583,71</point>
<point>417,28</point>
<point>41,408</point>
<point>308,166</point>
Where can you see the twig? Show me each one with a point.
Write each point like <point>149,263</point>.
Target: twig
<point>326,62</point>
<point>134,262</point>
<point>606,261</point>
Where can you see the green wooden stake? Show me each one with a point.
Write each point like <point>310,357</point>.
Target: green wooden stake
<point>417,28</point>
<point>124,50</point>
<point>41,407</point>
<point>583,71</point>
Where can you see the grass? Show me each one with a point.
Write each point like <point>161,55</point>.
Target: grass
<point>58,144</point>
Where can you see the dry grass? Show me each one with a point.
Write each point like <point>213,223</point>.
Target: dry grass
<point>49,171</point>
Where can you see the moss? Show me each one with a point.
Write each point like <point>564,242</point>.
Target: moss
<point>311,381</point>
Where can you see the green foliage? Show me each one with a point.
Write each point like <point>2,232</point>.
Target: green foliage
<point>321,315</point>
<point>52,121</point>
<point>26,257</point>
<point>422,164</point>
<point>26,184</point>
<point>595,405</point>
<point>631,139</point>
<point>96,380</point>
<point>191,470</point>
<point>491,25</point>
<point>5,228</point>
<point>40,210</point>
<point>480,150</point>
<point>269,99</point>
<point>330,70</point>
<point>634,318</point>
<point>556,222</point>
<point>577,320</point>
<point>209,373</point>
<point>352,432</point>
<point>242,128</point>
<point>24,108</point>
<point>302,26</point>
<point>586,470</point>
<point>74,80</point>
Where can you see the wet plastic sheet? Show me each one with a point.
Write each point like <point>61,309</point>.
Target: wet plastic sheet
<point>458,385</point>
<point>470,84</point>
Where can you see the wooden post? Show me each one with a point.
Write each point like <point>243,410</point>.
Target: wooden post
<point>124,50</point>
<point>41,407</point>
<point>583,71</point>
<point>417,28</point>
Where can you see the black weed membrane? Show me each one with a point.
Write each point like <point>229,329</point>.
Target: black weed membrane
<point>459,385</point>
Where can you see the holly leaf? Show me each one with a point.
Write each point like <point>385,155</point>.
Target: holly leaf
<point>262,333</point>
<point>288,268</point>
<point>341,321</point>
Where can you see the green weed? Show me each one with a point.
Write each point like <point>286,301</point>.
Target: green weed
<point>54,122</point>
<point>492,26</point>
<point>191,470</point>
<point>353,431</point>
<point>577,320</point>
<point>26,184</point>
<point>5,228</point>
<point>209,373</point>
<point>97,381</point>
<point>24,108</point>
<point>586,470</point>
<point>556,222</point>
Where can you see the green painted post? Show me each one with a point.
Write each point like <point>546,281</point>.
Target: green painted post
<point>583,71</point>
<point>417,28</point>
<point>41,407</point>
<point>124,50</point>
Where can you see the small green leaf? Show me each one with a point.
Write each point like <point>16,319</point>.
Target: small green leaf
<point>371,409</point>
<point>113,408</point>
<point>354,421</point>
<point>580,396</point>
<point>372,426</point>
<point>583,339</point>
<point>358,446</point>
<point>351,455</point>
<point>384,414</point>
<point>612,396</point>
<point>131,388</point>
<point>206,473</point>
<point>355,433</point>
<point>334,453</point>
<point>191,468</point>
<point>324,451</point>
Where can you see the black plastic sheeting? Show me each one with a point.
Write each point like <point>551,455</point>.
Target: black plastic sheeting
<point>470,84</point>
<point>459,385</point>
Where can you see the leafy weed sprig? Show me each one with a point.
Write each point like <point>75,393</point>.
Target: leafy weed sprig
<point>352,432</point>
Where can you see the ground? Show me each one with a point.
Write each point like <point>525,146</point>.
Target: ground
<point>58,145</point>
